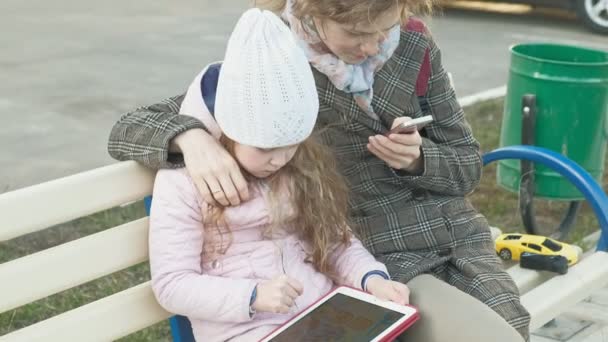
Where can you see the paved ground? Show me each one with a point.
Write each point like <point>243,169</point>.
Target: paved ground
<point>475,43</point>
<point>71,68</point>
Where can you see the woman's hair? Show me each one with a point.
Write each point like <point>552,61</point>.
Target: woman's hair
<point>316,207</point>
<point>348,11</point>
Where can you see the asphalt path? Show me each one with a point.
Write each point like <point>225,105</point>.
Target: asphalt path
<point>70,68</point>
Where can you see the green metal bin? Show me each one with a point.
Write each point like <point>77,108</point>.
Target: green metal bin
<point>571,88</point>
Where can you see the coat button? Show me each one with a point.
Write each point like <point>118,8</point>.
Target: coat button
<point>444,252</point>
<point>419,194</point>
<point>215,264</point>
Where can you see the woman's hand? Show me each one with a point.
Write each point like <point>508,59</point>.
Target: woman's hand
<point>388,290</point>
<point>401,151</point>
<point>214,171</point>
<point>277,295</point>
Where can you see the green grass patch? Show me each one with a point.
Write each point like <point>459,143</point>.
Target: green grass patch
<point>498,205</point>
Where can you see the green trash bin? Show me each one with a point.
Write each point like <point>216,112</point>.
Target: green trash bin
<point>571,89</point>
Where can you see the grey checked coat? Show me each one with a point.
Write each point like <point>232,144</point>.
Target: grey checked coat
<point>414,223</point>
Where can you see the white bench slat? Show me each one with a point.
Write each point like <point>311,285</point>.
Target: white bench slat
<point>41,206</point>
<point>556,295</point>
<point>107,319</point>
<point>527,279</point>
<point>73,263</point>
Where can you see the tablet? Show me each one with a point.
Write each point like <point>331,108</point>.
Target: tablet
<point>347,314</point>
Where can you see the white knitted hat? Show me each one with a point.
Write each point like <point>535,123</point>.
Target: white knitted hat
<point>266,94</point>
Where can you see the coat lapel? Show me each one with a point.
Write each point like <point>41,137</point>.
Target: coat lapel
<point>395,83</point>
<point>342,104</point>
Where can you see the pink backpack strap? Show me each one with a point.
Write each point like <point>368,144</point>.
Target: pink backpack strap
<point>422,82</point>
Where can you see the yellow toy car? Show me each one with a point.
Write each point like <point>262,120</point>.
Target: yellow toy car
<point>511,246</point>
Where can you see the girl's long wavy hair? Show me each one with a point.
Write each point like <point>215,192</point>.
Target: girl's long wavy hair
<point>316,207</point>
<point>348,11</point>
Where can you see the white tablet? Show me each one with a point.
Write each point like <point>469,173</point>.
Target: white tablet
<point>349,315</point>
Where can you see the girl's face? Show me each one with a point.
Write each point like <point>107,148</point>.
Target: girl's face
<point>354,43</point>
<point>262,163</point>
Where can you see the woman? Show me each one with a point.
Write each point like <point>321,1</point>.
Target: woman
<point>374,68</point>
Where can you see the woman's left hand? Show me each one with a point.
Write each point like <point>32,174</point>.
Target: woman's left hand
<point>388,290</point>
<point>400,151</point>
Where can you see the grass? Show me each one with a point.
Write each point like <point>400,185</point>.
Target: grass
<point>498,205</point>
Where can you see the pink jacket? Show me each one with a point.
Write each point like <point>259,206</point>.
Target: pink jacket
<point>215,294</point>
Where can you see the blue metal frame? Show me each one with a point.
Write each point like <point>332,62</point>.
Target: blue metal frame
<point>573,172</point>
<point>181,330</point>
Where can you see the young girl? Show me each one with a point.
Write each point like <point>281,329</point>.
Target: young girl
<point>239,272</point>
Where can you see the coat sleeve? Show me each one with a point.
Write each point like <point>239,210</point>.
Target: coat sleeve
<point>353,263</point>
<point>452,162</point>
<point>145,134</point>
<point>176,242</point>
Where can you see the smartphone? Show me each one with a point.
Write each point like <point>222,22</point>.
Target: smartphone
<point>411,126</point>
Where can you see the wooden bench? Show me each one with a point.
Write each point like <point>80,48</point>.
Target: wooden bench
<point>42,274</point>
<point>50,271</point>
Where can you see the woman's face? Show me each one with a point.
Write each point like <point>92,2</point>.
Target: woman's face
<point>262,163</point>
<point>354,43</point>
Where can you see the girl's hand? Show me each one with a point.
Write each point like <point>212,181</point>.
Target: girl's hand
<point>388,290</point>
<point>214,171</point>
<point>277,295</point>
<point>400,151</point>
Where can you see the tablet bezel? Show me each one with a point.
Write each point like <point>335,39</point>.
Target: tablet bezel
<point>409,312</point>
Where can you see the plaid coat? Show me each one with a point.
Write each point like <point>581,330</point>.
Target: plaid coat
<point>413,223</point>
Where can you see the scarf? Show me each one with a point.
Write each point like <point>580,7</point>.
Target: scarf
<point>357,79</point>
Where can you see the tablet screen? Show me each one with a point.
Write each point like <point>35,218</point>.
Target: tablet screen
<point>341,318</point>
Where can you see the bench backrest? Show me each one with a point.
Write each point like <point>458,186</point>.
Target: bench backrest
<point>56,269</point>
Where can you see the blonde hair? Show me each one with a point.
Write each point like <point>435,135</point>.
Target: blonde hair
<point>317,203</point>
<point>348,11</point>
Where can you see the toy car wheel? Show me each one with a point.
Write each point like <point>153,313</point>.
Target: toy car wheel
<point>505,254</point>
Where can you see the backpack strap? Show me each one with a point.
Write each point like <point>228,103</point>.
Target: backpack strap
<point>422,82</point>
